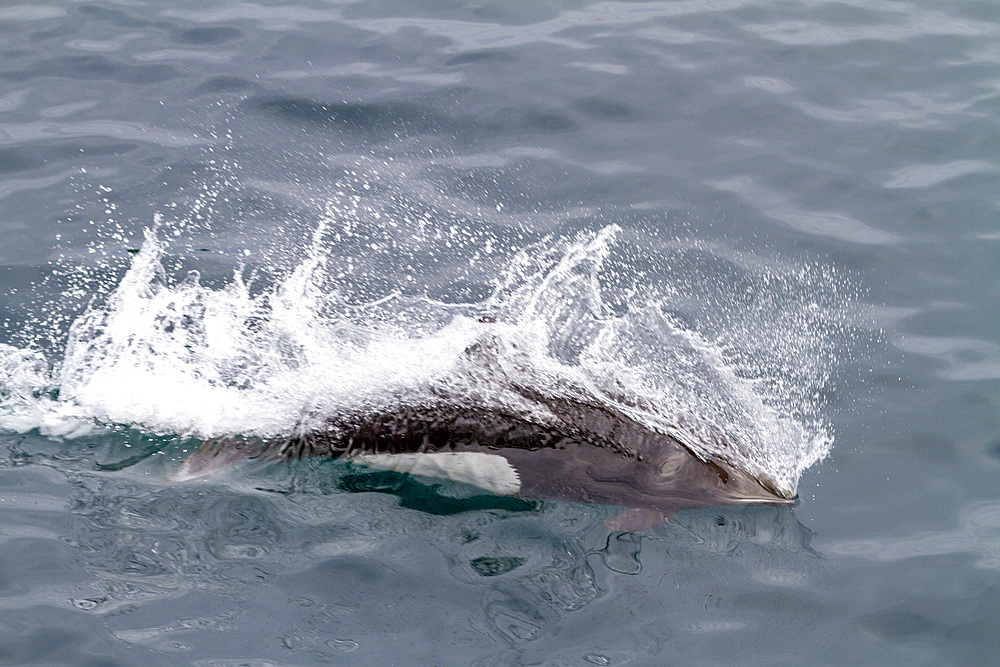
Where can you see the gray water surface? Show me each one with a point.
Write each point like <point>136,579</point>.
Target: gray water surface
<point>756,156</point>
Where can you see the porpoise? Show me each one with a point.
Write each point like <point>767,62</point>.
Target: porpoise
<point>583,451</point>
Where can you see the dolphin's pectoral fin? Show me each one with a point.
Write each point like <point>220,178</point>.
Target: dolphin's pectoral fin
<point>637,518</point>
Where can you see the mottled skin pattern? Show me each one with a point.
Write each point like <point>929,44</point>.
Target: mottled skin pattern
<point>582,453</point>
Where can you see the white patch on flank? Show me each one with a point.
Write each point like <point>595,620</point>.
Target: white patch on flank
<point>490,472</point>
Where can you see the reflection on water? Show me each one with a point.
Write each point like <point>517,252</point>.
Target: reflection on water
<point>173,567</point>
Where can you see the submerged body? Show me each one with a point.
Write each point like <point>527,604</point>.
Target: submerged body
<point>584,453</point>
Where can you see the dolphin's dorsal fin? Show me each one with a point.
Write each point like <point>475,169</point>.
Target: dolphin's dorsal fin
<point>637,518</point>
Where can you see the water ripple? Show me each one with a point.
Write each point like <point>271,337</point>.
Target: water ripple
<point>15,133</point>
<point>30,13</point>
<point>927,175</point>
<point>910,109</point>
<point>967,359</point>
<point>818,223</point>
<point>474,35</point>
<point>282,17</point>
<point>977,533</point>
<point>812,33</point>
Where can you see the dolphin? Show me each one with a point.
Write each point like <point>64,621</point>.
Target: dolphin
<point>585,451</point>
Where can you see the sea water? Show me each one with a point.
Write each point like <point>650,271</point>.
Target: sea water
<point>767,229</point>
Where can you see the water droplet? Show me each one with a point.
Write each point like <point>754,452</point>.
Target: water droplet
<point>86,603</point>
<point>343,645</point>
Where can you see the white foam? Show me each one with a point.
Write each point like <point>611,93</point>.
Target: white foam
<point>176,356</point>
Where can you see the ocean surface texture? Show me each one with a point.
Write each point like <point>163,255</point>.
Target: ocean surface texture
<point>770,229</point>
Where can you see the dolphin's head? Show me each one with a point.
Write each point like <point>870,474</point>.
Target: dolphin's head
<point>675,473</point>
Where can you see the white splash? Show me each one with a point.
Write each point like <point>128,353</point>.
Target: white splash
<point>175,356</point>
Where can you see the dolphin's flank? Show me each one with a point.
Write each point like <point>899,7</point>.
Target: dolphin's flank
<point>586,453</point>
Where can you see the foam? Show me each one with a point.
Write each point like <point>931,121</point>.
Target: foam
<point>175,356</point>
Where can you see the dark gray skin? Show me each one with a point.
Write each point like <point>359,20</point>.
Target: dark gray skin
<point>590,453</point>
